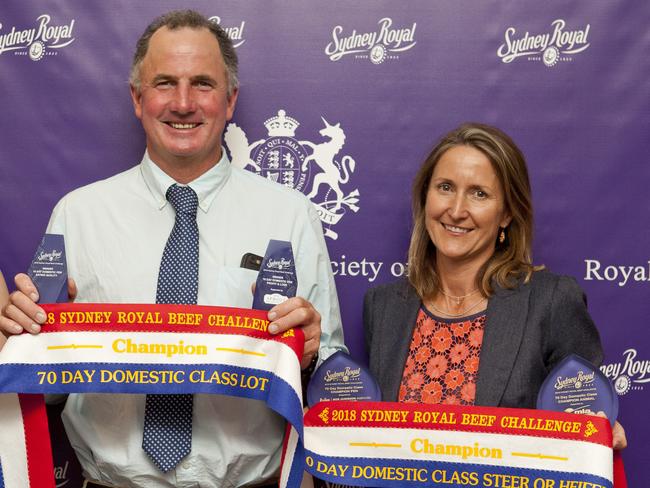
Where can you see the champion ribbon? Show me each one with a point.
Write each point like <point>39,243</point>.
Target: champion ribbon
<point>25,452</point>
<point>108,348</point>
<point>200,349</point>
<point>385,444</point>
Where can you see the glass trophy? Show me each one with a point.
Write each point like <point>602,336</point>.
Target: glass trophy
<point>48,270</point>
<point>340,377</point>
<point>577,386</point>
<point>276,280</point>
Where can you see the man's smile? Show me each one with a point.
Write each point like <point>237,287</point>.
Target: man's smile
<point>183,125</point>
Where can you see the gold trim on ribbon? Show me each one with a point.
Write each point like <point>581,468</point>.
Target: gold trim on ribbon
<point>539,456</point>
<point>241,351</point>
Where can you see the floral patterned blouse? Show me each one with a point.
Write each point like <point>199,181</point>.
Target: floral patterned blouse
<point>442,363</point>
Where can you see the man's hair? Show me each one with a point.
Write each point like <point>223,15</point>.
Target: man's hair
<point>511,260</point>
<point>177,19</point>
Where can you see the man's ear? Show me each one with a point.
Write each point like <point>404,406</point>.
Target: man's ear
<point>136,98</point>
<point>232,101</point>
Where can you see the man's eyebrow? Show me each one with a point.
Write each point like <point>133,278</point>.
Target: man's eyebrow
<point>162,77</point>
<point>207,78</point>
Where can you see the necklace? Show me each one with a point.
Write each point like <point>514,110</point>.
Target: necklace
<point>455,315</point>
<point>458,299</point>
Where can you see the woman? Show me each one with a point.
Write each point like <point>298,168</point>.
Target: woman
<point>476,323</point>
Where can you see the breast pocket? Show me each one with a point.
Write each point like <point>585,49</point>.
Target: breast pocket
<point>233,287</point>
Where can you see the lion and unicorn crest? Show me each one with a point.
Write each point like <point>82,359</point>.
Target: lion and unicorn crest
<point>284,159</point>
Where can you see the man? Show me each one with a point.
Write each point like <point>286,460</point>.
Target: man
<point>184,89</point>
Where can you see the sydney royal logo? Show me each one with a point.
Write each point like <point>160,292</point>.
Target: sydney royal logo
<point>49,256</point>
<point>574,382</point>
<point>283,158</point>
<point>235,32</point>
<point>629,374</point>
<point>343,375</point>
<point>61,475</point>
<point>386,42</point>
<point>279,264</point>
<point>559,44</point>
<point>36,42</point>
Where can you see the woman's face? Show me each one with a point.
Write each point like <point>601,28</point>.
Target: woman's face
<point>464,207</point>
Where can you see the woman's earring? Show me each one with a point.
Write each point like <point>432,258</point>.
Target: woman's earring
<point>502,236</point>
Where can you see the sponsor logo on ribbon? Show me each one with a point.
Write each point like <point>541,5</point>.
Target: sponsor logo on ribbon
<point>25,453</point>
<point>397,444</point>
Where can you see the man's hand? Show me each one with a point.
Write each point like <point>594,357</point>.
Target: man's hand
<point>22,312</point>
<point>298,312</point>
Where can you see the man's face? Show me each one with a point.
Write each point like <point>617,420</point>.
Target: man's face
<point>183,101</point>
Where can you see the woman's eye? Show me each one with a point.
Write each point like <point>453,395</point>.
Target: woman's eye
<point>444,187</point>
<point>480,194</point>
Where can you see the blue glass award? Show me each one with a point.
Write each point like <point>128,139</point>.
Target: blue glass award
<point>577,386</point>
<point>48,270</point>
<point>276,280</point>
<point>340,377</point>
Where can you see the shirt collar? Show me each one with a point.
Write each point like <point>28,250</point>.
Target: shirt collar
<point>206,186</point>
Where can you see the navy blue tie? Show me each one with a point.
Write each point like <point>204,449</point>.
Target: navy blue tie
<point>167,434</point>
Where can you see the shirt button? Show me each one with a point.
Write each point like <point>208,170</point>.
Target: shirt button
<point>186,465</point>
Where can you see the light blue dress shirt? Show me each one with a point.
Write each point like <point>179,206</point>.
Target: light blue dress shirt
<point>115,232</point>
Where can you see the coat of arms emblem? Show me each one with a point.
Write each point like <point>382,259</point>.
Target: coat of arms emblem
<point>298,164</point>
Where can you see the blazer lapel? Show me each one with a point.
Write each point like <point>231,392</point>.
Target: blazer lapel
<point>398,331</point>
<point>504,328</point>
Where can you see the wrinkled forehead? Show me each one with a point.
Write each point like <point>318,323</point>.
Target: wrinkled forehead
<point>184,45</point>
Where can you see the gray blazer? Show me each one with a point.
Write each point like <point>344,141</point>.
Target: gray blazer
<point>528,330</point>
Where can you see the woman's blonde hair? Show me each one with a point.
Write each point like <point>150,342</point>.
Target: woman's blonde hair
<point>512,258</point>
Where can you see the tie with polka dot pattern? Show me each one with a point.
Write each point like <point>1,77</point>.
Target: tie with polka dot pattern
<point>167,434</point>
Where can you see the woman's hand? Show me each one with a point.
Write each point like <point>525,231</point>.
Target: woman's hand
<point>619,441</point>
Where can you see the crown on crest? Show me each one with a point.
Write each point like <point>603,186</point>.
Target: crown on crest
<point>281,125</point>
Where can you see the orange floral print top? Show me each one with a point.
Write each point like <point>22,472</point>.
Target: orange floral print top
<point>442,363</point>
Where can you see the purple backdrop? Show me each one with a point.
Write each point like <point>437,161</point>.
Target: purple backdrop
<point>568,81</point>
